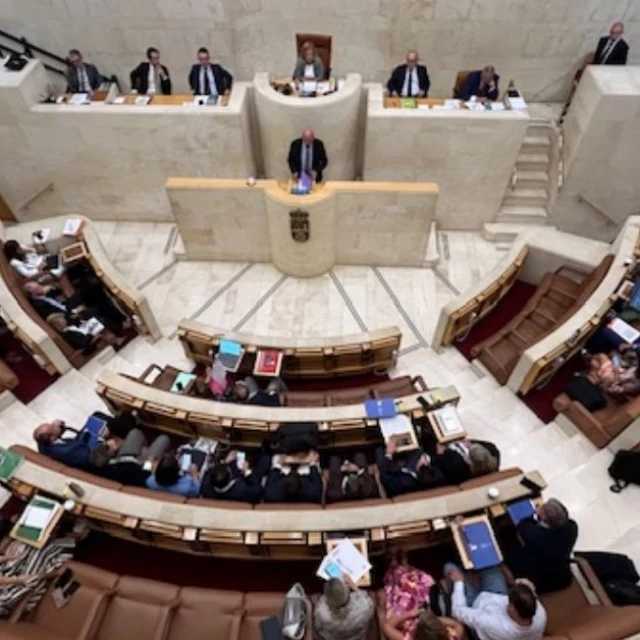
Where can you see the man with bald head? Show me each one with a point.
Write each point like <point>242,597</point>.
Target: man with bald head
<point>482,83</point>
<point>612,49</point>
<point>409,80</point>
<point>307,155</point>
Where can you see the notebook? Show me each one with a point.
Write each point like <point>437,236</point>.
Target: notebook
<point>9,463</point>
<point>36,518</point>
<point>93,426</point>
<point>520,510</point>
<point>449,421</point>
<point>382,408</point>
<point>480,545</point>
<point>401,427</point>
<point>181,382</point>
<point>624,330</point>
<point>268,363</point>
<point>230,354</point>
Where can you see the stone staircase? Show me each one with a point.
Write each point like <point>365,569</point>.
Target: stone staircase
<point>526,200</point>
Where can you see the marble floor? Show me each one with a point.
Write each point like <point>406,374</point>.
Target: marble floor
<point>256,297</point>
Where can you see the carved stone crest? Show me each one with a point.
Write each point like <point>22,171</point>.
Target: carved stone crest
<point>299,222</point>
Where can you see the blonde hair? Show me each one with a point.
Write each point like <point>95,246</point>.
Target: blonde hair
<point>306,46</point>
<point>430,627</point>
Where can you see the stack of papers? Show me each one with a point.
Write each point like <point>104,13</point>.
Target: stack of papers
<point>401,428</point>
<point>36,518</point>
<point>449,421</point>
<point>142,101</point>
<point>452,104</point>
<point>79,98</point>
<point>344,559</point>
<point>72,227</point>
<point>497,106</point>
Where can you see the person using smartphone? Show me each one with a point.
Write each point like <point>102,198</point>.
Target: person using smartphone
<point>231,478</point>
<point>168,476</point>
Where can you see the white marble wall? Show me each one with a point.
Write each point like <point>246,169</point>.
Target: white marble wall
<point>469,154</point>
<point>111,161</point>
<point>334,119</point>
<point>538,43</point>
<point>601,161</point>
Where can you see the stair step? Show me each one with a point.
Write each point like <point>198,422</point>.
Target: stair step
<point>522,215</point>
<point>525,197</point>
<point>532,162</point>
<point>540,128</point>
<point>532,180</point>
<point>539,142</point>
<point>506,232</point>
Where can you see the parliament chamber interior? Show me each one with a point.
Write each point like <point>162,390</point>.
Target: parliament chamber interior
<point>320,322</point>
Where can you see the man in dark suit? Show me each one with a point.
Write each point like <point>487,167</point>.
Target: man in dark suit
<point>294,483</point>
<point>226,481</point>
<point>350,479</point>
<point>612,49</point>
<point>482,83</point>
<point>81,77</point>
<point>307,155</point>
<point>206,79</point>
<point>547,543</point>
<point>409,80</point>
<point>151,77</point>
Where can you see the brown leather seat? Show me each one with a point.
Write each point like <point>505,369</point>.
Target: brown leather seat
<point>398,387</point>
<point>305,399</point>
<point>556,299</point>
<point>490,478</point>
<point>139,610</point>
<point>37,458</point>
<point>258,606</point>
<point>207,613</point>
<point>461,79</point>
<point>603,425</point>
<point>357,395</point>
<point>155,495</point>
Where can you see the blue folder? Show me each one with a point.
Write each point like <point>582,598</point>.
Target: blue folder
<point>230,347</point>
<point>520,510</point>
<point>383,408</point>
<point>482,552</point>
<point>93,426</point>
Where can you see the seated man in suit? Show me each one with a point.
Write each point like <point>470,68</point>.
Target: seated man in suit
<point>151,77</point>
<point>307,155</point>
<point>248,391</point>
<point>206,79</point>
<point>227,480</point>
<point>74,451</point>
<point>547,543</point>
<point>612,49</point>
<point>409,80</point>
<point>482,83</point>
<point>81,77</point>
<point>294,482</point>
<point>412,473</point>
<point>350,479</point>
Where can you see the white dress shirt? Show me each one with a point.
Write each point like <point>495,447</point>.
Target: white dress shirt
<point>411,77</point>
<point>309,72</point>
<point>151,85</point>
<point>84,86</point>
<point>609,47</point>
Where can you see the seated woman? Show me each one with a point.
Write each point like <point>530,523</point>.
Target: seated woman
<point>29,264</point>
<point>406,591</point>
<point>617,375</point>
<point>85,335</point>
<point>309,66</point>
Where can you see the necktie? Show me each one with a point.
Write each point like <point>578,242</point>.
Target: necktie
<point>607,50</point>
<point>410,83</point>
<point>204,82</point>
<point>307,159</point>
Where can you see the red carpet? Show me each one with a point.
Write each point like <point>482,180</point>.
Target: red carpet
<point>33,379</point>
<point>506,309</point>
<point>540,401</point>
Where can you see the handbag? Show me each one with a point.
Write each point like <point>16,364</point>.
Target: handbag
<point>586,393</point>
<point>295,613</point>
<point>625,470</point>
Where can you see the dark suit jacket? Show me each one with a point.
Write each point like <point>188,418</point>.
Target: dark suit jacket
<point>472,87</point>
<point>617,56</point>
<point>140,79</point>
<point>453,466</point>
<point>320,159</point>
<point>73,452</point>
<point>224,80</point>
<point>241,489</point>
<point>396,81</point>
<point>397,479</point>
<point>311,487</point>
<point>544,558</point>
<point>95,79</point>
<point>334,486</point>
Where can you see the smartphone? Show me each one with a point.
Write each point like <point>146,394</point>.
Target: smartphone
<point>185,462</point>
<point>148,465</point>
<point>241,460</point>
<point>530,484</point>
<point>616,361</point>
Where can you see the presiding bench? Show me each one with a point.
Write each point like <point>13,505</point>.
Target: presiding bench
<point>288,531</point>
<point>369,352</point>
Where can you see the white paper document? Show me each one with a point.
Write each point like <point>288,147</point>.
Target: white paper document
<point>452,104</point>
<point>79,98</point>
<point>37,517</point>
<point>344,559</point>
<point>309,86</point>
<point>497,106</point>
<point>624,330</point>
<point>397,426</point>
<point>72,227</point>
<point>448,420</point>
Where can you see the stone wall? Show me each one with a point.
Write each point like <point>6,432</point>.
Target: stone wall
<point>538,43</point>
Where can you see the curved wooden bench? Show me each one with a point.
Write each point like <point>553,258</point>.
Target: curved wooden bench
<point>249,424</point>
<point>369,352</point>
<point>266,530</point>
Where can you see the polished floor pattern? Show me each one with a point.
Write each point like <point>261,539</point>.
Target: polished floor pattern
<point>257,298</point>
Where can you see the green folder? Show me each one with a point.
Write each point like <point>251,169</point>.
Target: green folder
<point>9,462</point>
<point>35,533</point>
<point>408,103</point>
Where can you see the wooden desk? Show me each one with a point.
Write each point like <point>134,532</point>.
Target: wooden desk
<point>166,378</point>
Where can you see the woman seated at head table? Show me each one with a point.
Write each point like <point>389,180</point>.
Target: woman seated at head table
<point>83,334</point>
<point>25,570</point>
<point>31,265</point>
<point>309,66</point>
<point>407,615</point>
<point>617,375</point>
